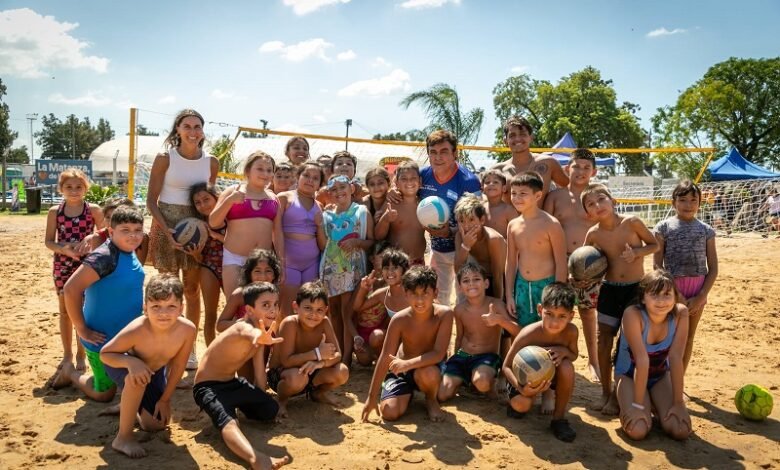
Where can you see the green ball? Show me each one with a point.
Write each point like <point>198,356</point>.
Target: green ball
<point>754,402</point>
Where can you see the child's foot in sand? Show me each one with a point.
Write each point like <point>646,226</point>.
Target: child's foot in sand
<point>595,375</point>
<point>129,447</point>
<point>112,410</point>
<point>324,396</point>
<point>81,362</point>
<point>282,413</point>
<point>611,407</point>
<point>599,405</point>
<point>548,402</point>
<point>265,462</point>
<point>435,413</point>
<point>61,378</point>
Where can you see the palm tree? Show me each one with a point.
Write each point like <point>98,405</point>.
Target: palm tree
<point>442,108</point>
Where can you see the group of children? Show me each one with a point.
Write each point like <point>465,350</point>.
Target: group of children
<point>315,270</point>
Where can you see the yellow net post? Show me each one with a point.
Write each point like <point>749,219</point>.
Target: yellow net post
<point>131,156</point>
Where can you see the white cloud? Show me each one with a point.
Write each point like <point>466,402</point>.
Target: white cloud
<point>421,4</point>
<point>319,118</point>
<point>380,62</point>
<point>170,99</point>
<point>519,69</point>
<point>304,7</point>
<point>90,99</point>
<point>397,80</point>
<point>32,46</point>
<point>346,55</point>
<point>222,95</point>
<point>665,32</point>
<point>291,127</point>
<point>311,48</point>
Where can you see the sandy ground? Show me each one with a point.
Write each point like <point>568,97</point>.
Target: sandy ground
<point>737,344</point>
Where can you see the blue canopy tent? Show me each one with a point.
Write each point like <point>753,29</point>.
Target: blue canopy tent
<point>734,167</point>
<point>567,141</point>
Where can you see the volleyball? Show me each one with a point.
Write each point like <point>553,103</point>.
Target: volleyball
<point>587,263</point>
<point>754,402</point>
<point>533,365</point>
<point>191,233</point>
<point>433,212</point>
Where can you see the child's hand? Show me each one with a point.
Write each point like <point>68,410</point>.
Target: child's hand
<point>359,344</point>
<point>367,282</point>
<point>91,336</point>
<point>350,244</point>
<point>398,366</point>
<point>632,415</point>
<point>491,318</point>
<point>511,308</point>
<point>371,405</point>
<point>262,336</point>
<point>85,246</point>
<point>310,367</point>
<point>318,219</point>
<point>530,391</point>
<point>469,236</point>
<point>628,254</point>
<point>680,414</point>
<point>390,213</point>
<point>394,196</point>
<point>558,354</point>
<point>193,251</point>
<point>163,410</point>
<point>237,197</point>
<point>696,304</point>
<point>69,251</point>
<point>176,245</point>
<point>327,350</point>
<point>579,284</point>
<point>139,373</point>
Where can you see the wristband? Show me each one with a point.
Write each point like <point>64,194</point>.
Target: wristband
<point>463,245</point>
<point>317,353</point>
<point>638,406</point>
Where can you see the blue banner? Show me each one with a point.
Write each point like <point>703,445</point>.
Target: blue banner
<point>48,171</point>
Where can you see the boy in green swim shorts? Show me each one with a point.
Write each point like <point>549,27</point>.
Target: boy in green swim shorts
<point>111,281</point>
<point>536,249</point>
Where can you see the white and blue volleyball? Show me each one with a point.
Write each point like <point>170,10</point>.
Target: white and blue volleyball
<point>191,233</point>
<point>433,212</point>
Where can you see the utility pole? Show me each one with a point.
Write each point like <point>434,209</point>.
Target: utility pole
<point>32,117</point>
<point>5,178</point>
<point>348,123</point>
<point>72,138</point>
<point>264,122</point>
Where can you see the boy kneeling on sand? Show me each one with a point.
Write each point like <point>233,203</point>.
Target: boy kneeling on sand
<point>219,392</point>
<point>137,356</point>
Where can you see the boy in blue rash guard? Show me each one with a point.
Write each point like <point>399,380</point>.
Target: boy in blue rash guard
<point>111,281</point>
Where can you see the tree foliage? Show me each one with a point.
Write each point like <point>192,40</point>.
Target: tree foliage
<point>7,136</point>
<point>736,103</point>
<point>142,130</point>
<point>72,137</point>
<point>583,104</point>
<point>414,135</point>
<point>441,105</point>
<point>671,129</point>
<point>221,149</point>
<point>19,155</point>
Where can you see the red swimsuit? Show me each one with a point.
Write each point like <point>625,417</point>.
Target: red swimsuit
<point>70,230</point>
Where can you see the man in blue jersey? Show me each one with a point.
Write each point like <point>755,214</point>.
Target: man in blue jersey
<point>110,282</point>
<point>448,180</point>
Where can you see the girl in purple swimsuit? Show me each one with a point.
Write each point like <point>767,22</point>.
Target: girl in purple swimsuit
<point>304,237</point>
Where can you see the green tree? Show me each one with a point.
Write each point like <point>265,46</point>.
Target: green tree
<point>72,137</point>
<point>19,155</point>
<point>414,135</point>
<point>7,136</point>
<point>222,149</point>
<point>737,103</point>
<point>442,108</point>
<point>140,129</point>
<point>583,104</point>
<point>672,129</point>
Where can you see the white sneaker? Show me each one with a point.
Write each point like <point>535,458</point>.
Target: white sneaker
<point>192,362</point>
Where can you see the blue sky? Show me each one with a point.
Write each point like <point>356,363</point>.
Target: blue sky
<point>311,64</point>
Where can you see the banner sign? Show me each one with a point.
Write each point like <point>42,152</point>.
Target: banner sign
<point>48,171</point>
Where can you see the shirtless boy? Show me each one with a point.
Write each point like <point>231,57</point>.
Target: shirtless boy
<point>219,392</point>
<point>625,240</point>
<point>399,223</point>
<point>518,135</point>
<point>416,343</point>
<point>309,359</point>
<point>499,212</point>
<point>479,321</point>
<point>564,204</point>
<point>556,333</point>
<point>138,356</point>
<point>536,250</point>
<point>477,242</point>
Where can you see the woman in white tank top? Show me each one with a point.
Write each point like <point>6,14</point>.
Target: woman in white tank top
<point>173,173</point>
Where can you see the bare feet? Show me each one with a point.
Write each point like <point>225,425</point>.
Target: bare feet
<point>282,413</point>
<point>599,405</point>
<point>324,396</point>
<point>611,408</point>
<point>265,462</point>
<point>61,378</point>
<point>595,375</point>
<point>548,402</point>
<point>81,362</point>
<point>435,413</point>
<point>129,447</point>
<point>112,410</point>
